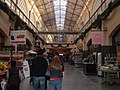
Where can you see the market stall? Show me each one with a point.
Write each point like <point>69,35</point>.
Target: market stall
<point>109,73</point>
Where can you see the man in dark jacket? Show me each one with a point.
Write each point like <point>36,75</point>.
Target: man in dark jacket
<point>39,68</point>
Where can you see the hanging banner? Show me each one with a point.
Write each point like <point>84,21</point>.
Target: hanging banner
<point>97,37</point>
<point>18,37</point>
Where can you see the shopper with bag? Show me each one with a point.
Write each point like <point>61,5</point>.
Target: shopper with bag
<point>14,77</point>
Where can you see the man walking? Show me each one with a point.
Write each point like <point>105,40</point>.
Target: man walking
<point>39,68</point>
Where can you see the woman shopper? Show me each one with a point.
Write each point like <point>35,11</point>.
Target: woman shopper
<point>55,68</point>
<point>14,76</point>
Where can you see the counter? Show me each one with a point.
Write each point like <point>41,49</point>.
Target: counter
<point>89,69</point>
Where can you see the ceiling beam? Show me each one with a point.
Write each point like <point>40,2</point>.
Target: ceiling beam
<point>62,43</point>
<point>44,4</point>
<point>73,12</point>
<point>58,32</point>
<point>75,4</point>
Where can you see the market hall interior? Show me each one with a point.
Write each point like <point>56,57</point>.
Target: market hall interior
<point>86,33</point>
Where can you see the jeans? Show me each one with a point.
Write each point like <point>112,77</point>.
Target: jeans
<point>14,87</point>
<point>37,81</point>
<point>55,84</point>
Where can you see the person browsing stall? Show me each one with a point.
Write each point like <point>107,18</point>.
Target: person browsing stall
<point>14,76</point>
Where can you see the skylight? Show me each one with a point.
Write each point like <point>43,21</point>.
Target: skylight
<point>60,11</point>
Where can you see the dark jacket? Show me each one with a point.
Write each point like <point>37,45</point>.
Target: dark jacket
<point>39,66</point>
<point>14,76</point>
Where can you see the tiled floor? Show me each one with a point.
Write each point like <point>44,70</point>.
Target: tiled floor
<point>74,79</point>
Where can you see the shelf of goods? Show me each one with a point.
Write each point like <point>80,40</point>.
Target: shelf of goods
<point>6,57</point>
<point>112,64</point>
<point>78,60</point>
<point>3,67</point>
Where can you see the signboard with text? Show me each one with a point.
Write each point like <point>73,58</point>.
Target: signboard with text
<point>18,37</point>
<point>97,37</point>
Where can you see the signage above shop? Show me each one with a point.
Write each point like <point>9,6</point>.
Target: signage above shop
<point>18,37</point>
<point>97,37</point>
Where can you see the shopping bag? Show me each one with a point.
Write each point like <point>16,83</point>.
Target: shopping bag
<point>3,84</point>
<point>8,85</point>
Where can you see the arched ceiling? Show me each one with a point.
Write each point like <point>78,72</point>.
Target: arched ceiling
<point>60,15</point>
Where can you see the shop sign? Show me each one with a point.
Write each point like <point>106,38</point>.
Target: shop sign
<point>97,37</point>
<point>18,37</point>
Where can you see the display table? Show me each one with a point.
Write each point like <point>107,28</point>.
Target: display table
<point>106,72</point>
<point>89,69</point>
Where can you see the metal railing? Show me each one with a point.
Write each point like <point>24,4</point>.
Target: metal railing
<point>12,6</point>
<point>99,11</point>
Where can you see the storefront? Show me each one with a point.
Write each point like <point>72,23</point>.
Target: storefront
<point>2,38</point>
<point>115,35</point>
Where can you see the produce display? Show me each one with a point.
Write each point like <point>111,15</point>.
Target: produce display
<point>3,67</point>
<point>5,57</point>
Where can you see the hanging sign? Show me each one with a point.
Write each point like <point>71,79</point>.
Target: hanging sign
<point>18,37</point>
<point>97,37</point>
